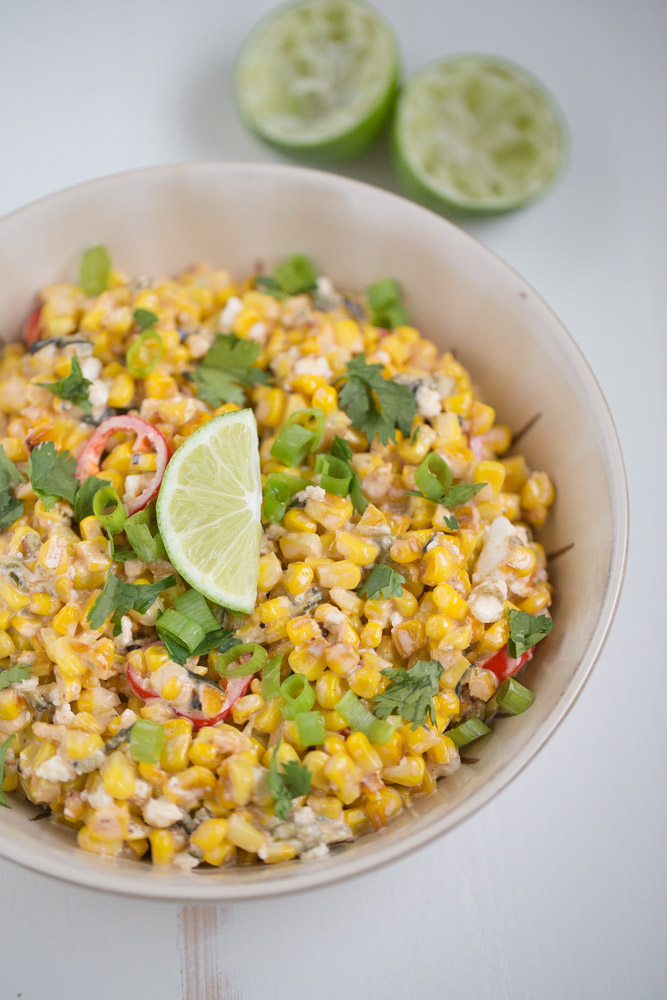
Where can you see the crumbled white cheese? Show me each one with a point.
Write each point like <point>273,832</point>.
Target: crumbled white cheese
<point>125,636</point>
<point>63,715</point>
<point>446,386</point>
<point>315,853</point>
<point>303,817</point>
<point>428,401</point>
<point>324,285</point>
<point>382,357</point>
<point>313,366</point>
<point>162,813</point>
<point>127,719</point>
<point>487,601</point>
<point>396,618</point>
<point>259,332</point>
<point>186,862</point>
<point>311,493</point>
<point>98,395</point>
<point>135,484</point>
<point>199,343</point>
<point>91,368</point>
<point>233,307</point>
<point>499,539</point>
<point>29,684</point>
<point>99,798</point>
<point>56,769</point>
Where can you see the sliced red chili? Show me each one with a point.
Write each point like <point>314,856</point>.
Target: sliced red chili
<point>504,666</point>
<point>31,329</point>
<point>148,438</point>
<point>236,688</point>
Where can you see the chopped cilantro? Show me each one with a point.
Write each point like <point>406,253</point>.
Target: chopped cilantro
<point>10,507</point>
<point>374,404</point>
<point>52,474</point>
<point>20,672</point>
<point>270,286</point>
<point>95,270</point>
<point>341,449</point>
<point>3,751</point>
<point>144,318</point>
<point>289,783</point>
<point>525,631</point>
<point>9,473</point>
<point>461,493</point>
<point>382,580</point>
<point>83,503</point>
<point>218,640</point>
<point>119,597</point>
<point>410,693</point>
<point>385,304</point>
<point>451,522</point>
<point>227,370</point>
<point>294,276</point>
<point>73,388</point>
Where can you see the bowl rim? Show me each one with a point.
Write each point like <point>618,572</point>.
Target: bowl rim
<point>104,876</point>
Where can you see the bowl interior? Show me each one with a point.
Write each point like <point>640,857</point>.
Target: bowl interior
<point>463,298</point>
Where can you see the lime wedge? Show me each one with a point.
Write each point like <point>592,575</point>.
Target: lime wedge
<point>208,510</point>
<point>318,78</point>
<point>478,133</point>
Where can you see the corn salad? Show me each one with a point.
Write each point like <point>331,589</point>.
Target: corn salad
<point>458,573</point>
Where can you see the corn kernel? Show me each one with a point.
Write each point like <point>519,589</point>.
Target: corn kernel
<point>344,574</point>
<point>118,776</point>
<point>162,847</point>
<point>243,834</point>
<point>297,578</point>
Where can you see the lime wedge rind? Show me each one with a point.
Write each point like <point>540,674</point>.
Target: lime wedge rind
<point>209,510</point>
<point>477,133</point>
<point>318,79</point>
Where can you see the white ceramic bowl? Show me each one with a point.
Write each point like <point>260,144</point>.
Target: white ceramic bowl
<point>464,298</point>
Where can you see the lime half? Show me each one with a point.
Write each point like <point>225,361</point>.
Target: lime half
<point>478,133</point>
<point>318,78</point>
<point>208,510</point>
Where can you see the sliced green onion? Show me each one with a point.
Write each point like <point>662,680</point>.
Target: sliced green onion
<point>173,625</point>
<point>513,697</point>
<point>112,521</point>
<point>468,731</point>
<point>95,270</point>
<point>296,274</point>
<point>271,677</point>
<point>255,663</point>
<point>359,501</point>
<point>433,476</point>
<point>147,547</point>
<point>133,353</point>
<point>362,720</point>
<point>194,605</point>
<point>292,445</point>
<point>336,474</point>
<point>311,413</point>
<point>147,740</point>
<point>310,728</point>
<point>298,695</point>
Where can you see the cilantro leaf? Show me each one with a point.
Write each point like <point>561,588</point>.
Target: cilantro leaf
<point>119,597</point>
<point>270,286</point>
<point>382,580</point>
<point>9,473</point>
<point>295,275</point>
<point>410,693</point>
<point>291,782</point>
<point>20,672</point>
<point>342,450</point>
<point>144,318</point>
<point>461,493</point>
<point>451,522</point>
<point>3,751</point>
<point>95,270</point>
<point>525,631</point>
<point>10,509</point>
<point>52,474</point>
<point>73,388</point>
<point>227,369</point>
<point>374,404</point>
<point>385,304</point>
<point>83,503</point>
<point>218,640</point>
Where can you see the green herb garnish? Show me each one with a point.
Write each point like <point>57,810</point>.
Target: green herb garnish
<point>83,503</point>
<point>289,783</point>
<point>10,508</point>
<point>374,404</point>
<point>410,693</point>
<point>3,752</point>
<point>295,275</point>
<point>119,597</point>
<point>386,304</point>
<point>525,631</point>
<point>382,580</point>
<point>227,370</point>
<point>144,318</point>
<point>73,388</point>
<point>434,479</point>
<point>20,672</point>
<point>52,474</point>
<point>95,270</point>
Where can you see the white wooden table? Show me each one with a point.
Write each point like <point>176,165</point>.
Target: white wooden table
<point>557,887</point>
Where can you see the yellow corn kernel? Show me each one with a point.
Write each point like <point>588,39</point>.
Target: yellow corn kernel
<point>378,609</point>
<point>269,406</point>
<point>438,565</point>
<point>510,505</point>
<point>7,647</point>
<point>449,602</point>
<point>285,753</point>
<point>5,618</point>
<point>121,391</point>
<point>302,629</point>
<point>12,595</point>
<point>371,635</point>
<point>67,619</point>
<point>450,435</point>
<point>297,546</point>
<point>344,775</point>
<point>409,636</point>
<point>537,491</point>
<point>481,417</point>
<point>243,834</point>
<point>406,603</point>
<point>118,776</point>
<point>16,449</point>
<point>344,574</point>
<point>492,473</point>
<point>537,601</point>
<point>356,818</point>
<point>333,744</point>
<point>153,774</point>
<point>11,704</point>
<point>315,761</point>
<point>342,658</point>
<point>43,604</point>
<point>297,578</point>
<point>516,473</point>
<point>171,689</point>
<point>156,656</point>
<point>308,659</point>
<point>391,751</point>
<point>329,689</point>
<point>409,772</point>
<point>276,852</point>
<point>88,841</point>
<point>419,740</point>
<point>522,561</point>
<point>332,512</point>
<point>296,519</point>
<point>459,403</point>
<point>114,478</point>
<point>326,805</point>
<point>363,754</point>
<point>162,847</point>
<point>326,399</point>
<point>406,550</point>
<point>333,722</point>
<point>240,776</point>
<point>270,717</point>
<point>382,805</point>
<point>119,458</point>
<point>159,384</point>
<point>80,744</point>
<point>245,707</point>
<point>495,636</point>
<point>174,755</point>
<point>358,550</point>
<point>366,681</point>
<point>209,834</point>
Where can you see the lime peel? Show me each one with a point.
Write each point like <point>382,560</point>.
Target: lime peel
<point>209,510</point>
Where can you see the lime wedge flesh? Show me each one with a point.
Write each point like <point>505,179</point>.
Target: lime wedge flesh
<point>208,510</point>
<point>319,77</point>
<point>478,133</point>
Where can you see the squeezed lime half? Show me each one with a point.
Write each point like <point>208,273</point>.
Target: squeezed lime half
<point>318,78</point>
<point>208,510</point>
<point>477,133</point>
